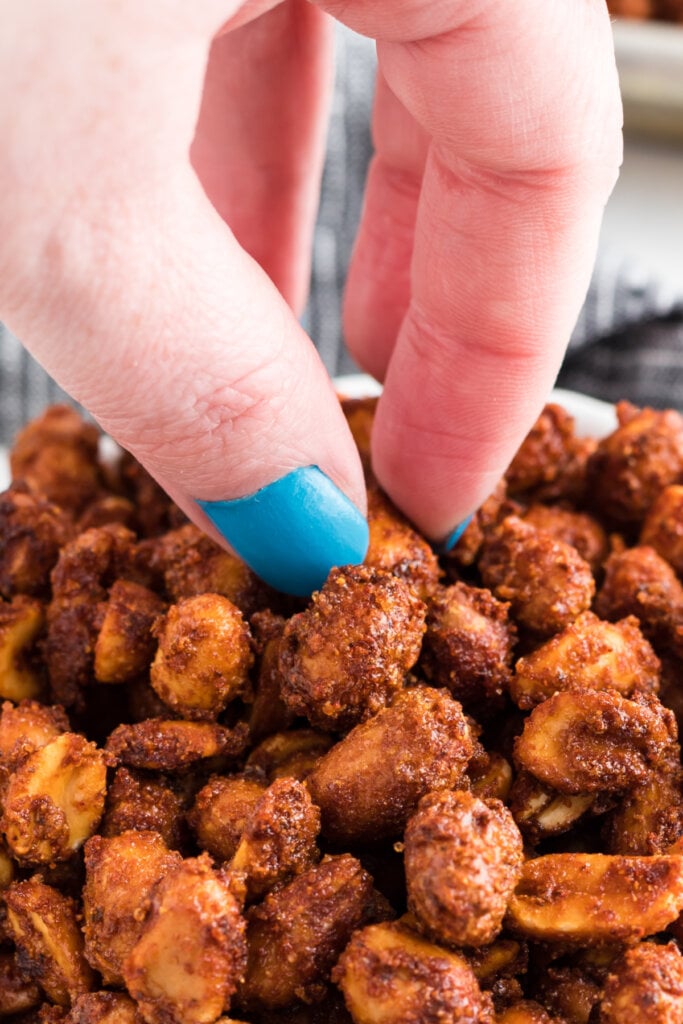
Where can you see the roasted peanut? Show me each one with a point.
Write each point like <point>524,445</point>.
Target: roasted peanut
<point>593,899</point>
<point>49,940</point>
<point>21,622</point>
<point>125,646</point>
<point>203,658</point>
<point>390,975</point>
<point>221,810</point>
<point>168,746</point>
<point>581,742</point>
<point>26,727</point>
<point>33,530</point>
<point>55,799</point>
<point>142,802</point>
<point>191,954</point>
<point>121,873</point>
<point>344,658</point>
<point>468,646</point>
<point>545,580</point>
<point>398,548</point>
<point>369,783</point>
<point>278,839</point>
<point>589,654</point>
<point>463,859</point>
<point>296,935</point>
<point>646,985</point>
<point>631,466</point>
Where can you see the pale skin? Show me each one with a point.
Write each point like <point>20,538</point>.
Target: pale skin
<point>155,259</point>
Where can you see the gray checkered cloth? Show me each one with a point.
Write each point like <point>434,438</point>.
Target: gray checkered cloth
<point>628,341</point>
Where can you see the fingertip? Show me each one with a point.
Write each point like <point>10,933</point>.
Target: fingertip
<point>293,531</point>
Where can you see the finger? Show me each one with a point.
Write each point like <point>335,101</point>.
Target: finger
<point>378,284</point>
<point>130,289</point>
<point>259,144</point>
<point>521,104</point>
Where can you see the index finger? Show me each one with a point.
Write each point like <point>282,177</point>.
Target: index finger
<point>522,108</point>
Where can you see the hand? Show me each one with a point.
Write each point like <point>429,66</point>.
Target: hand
<point>155,264</point>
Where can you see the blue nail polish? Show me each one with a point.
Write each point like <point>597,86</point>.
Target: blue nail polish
<point>293,531</point>
<point>453,538</point>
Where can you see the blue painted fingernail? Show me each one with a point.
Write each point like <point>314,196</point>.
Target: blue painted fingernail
<point>293,531</point>
<point>452,539</point>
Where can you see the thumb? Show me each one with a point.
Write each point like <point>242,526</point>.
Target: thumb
<point>187,355</point>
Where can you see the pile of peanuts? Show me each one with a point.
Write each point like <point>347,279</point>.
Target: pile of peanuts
<point>441,791</point>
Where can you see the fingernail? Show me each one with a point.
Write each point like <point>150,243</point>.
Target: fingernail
<point>293,531</point>
<point>453,538</point>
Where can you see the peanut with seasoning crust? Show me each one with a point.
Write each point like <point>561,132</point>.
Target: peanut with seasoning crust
<point>663,526</point>
<point>296,935</point>
<point>360,414</point>
<point>57,455</point>
<point>492,777</point>
<point>463,859</point>
<point>369,783</point>
<point>125,645</point>
<point>104,1008</point>
<point>191,953</point>
<point>278,839</point>
<point>143,802</point>
<point>268,713</point>
<point>541,812</point>
<point>293,753</point>
<point>526,1012</point>
<point>592,654</point>
<point>640,582</point>
<point>569,992</point>
<point>646,985</point>
<point>587,741</point>
<point>550,461</point>
<point>7,867</point>
<point>192,564</point>
<point>26,727</point>
<point>49,940</point>
<point>21,623</point>
<point>579,529</point>
<point>630,467</point>
<point>204,656</point>
<point>650,817</point>
<point>398,548</point>
<point>468,646</point>
<point>86,567</point>
<point>484,521</point>
<point>110,509</point>
<point>17,992</point>
<point>170,746</point>
<point>389,975</point>
<point>55,800</point>
<point>33,531</point>
<point>344,658</point>
<point>121,874</point>
<point>546,581</point>
<point>221,810</point>
<point>593,899</point>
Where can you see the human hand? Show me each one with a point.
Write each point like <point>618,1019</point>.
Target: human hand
<point>497,136</point>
